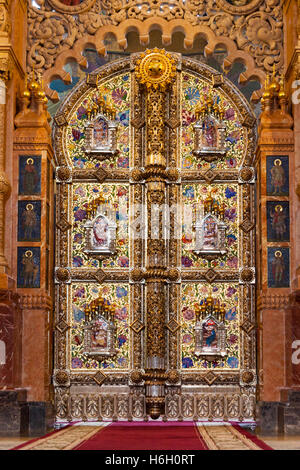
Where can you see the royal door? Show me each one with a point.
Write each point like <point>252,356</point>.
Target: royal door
<point>155,259</point>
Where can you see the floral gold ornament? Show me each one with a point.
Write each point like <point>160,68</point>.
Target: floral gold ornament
<point>239,7</point>
<point>247,376</point>
<point>62,378</point>
<point>71,7</point>
<point>63,174</point>
<point>156,69</point>
<point>246,174</point>
<point>136,376</point>
<point>247,275</point>
<point>63,275</point>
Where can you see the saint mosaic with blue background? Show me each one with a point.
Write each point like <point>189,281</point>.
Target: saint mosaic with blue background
<point>29,175</point>
<point>29,221</point>
<point>278,267</point>
<point>277,175</point>
<point>29,267</point>
<point>278,221</point>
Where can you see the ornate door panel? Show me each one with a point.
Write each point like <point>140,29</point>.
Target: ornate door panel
<point>155,307</point>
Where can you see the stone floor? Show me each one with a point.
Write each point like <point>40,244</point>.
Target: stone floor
<point>282,442</point>
<point>7,443</point>
<point>277,443</point>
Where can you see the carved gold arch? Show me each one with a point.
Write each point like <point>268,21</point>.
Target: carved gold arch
<point>65,111</point>
<point>252,33</point>
<point>143,29</point>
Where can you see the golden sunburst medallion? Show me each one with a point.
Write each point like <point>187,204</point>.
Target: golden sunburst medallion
<point>156,69</point>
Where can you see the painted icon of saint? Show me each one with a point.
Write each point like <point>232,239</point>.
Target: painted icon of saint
<point>29,222</point>
<point>210,234</point>
<point>30,177</point>
<point>100,133</point>
<point>278,217</point>
<point>278,267</point>
<point>209,134</point>
<point>99,338</point>
<point>277,176</point>
<point>100,232</point>
<point>209,334</point>
<point>30,269</point>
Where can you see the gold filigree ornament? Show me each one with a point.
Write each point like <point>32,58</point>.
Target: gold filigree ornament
<point>156,69</point>
<point>71,8</point>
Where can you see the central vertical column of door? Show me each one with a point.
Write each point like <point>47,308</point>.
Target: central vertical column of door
<point>155,71</point>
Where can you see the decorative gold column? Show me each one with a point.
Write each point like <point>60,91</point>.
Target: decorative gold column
<point>4,184</point>
<point>5,31</point>
<point>275,145</point>
<point>155,72</point>
<point>32,141</point>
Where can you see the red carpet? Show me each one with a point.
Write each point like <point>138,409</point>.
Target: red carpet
<point>138,436</point>
<point>148,436</point>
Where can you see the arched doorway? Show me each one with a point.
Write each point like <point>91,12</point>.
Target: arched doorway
<point>155,253</point>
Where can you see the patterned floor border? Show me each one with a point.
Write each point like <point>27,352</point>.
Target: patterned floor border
<point>225,437</point>
<point>216,435</point>
<point>64,439</point>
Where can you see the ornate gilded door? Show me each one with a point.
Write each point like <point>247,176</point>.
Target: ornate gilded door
<point>155,305</point>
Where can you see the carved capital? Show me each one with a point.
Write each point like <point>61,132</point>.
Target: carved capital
<point>5,21</point>
<point>36,302</point>
<point>4,185</point>
<point>272,301</point>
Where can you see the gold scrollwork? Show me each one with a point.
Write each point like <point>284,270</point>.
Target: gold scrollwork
<point>72,8</point>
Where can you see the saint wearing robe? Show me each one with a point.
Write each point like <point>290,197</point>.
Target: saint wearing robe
<point>100,232</point>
